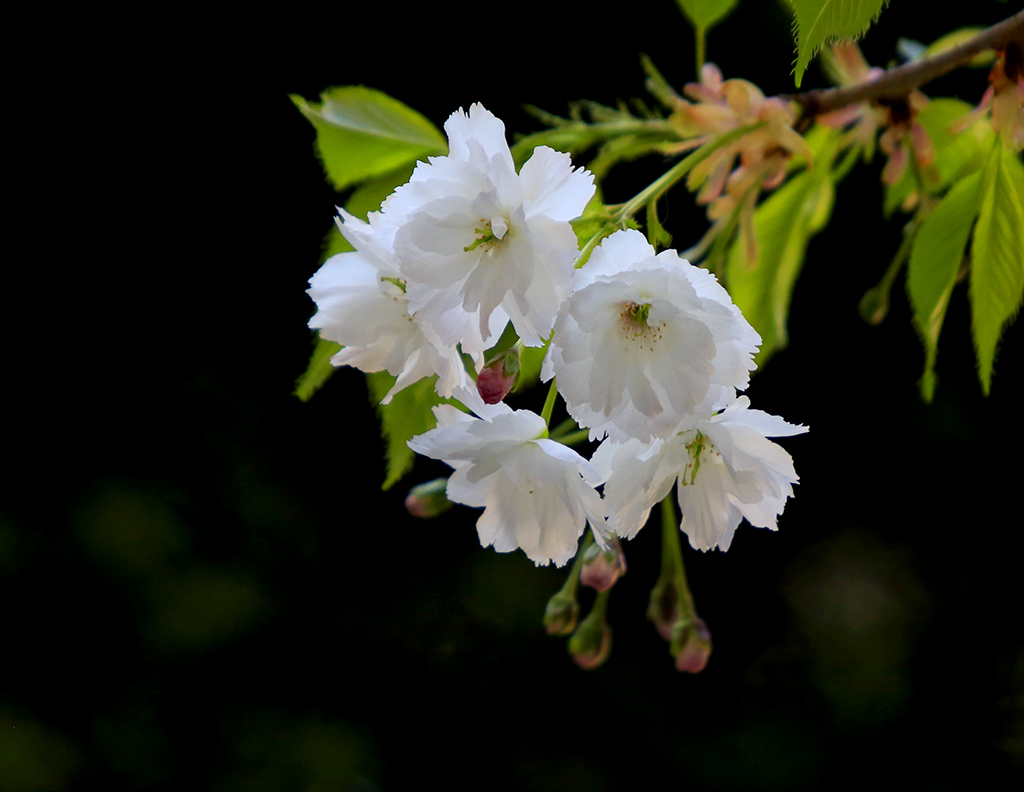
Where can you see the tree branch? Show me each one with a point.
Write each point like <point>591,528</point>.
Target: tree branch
<point>900,81</point>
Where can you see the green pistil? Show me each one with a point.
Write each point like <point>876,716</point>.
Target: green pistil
<point>639,313</point>
<point>695,448</point>
<point>396,282</point>
<point>486,237</point>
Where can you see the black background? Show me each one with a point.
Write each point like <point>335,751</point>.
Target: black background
<point>205,586</point>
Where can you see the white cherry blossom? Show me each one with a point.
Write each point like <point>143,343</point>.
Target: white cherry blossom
<point>362,306</point>
<point>646,339</point>
<point>724,468</point>
<point>375,239</point>
<point>537,494</point>
<point>473,236</point>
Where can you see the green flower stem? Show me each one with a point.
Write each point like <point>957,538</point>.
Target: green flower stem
<point>850,158</point>
<point>562,612</point>
<point>874,306</point>
<point>700,42</point>
<point>667,180</point>
<point>599,611</point>
<point>572,438</point>
<point>549,403</point>
<point>572,580</point>
<point>650,194</point>
<point>672,567</point>
<point>594,241</point>
<point>600,131</point>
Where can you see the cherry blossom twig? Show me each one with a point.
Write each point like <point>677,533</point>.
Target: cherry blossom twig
<point>901,80</point>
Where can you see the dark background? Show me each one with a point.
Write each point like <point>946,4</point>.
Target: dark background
<point>206,588</point>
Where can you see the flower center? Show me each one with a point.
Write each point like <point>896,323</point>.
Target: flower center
<point>489,234</point>
<point>634,320</point>
<point>701,452</point>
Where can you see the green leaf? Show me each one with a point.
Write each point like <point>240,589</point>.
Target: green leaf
<point>821,21</point>
<point>703,14</point>
<point>362,133</point>
<point>784,224</point>
<point>997,256</point>
<point>319,369</point>
<point>934,265</point>
<point>408,414</point>
<point>530,363</point>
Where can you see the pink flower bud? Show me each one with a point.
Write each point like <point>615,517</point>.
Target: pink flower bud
<point>591,644</point>
<point>691,645</point>
<point>428,499</point>
<point>499,376</point>
<point>601,568</point>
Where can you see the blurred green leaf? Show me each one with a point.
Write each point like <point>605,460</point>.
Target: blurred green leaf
<point>369,195</point>
<point>362,133</point>
<point>821,21</point>
<point>957,37</point>
<point>408,414</point>
<point>319,369</point>
<point>997,257</point>
<point>34,757</point>
<point>703,14</point>
<point>934,264</point>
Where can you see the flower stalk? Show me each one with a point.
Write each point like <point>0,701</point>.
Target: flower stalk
<point>671,605</point>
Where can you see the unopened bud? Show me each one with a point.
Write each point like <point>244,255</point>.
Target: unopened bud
<point>498,376</point>
<point>874,305</point>
<point>601,568</point>
<point>428,499</point>
<point>591,644</point>
<point>691,644</point>
<point>561,614</point>
<point>663,609</point>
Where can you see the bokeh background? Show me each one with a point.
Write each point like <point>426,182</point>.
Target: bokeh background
<point>206,589</point>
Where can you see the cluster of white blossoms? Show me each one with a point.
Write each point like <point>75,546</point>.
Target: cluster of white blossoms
<point>647,351</point>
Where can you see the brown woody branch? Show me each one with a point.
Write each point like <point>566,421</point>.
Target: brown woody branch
<point>900,81</point>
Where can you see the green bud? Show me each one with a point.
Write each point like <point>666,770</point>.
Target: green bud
<point>428,499</point>
<point>874,305</point>
<point>663,608</point>
<point>561,614</point>
<point>591,644</point>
